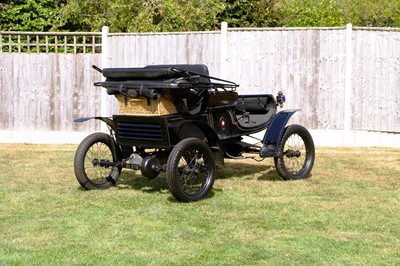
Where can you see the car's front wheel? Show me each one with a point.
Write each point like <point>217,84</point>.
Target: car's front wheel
<point>296,153</point>
<point>190,170</point>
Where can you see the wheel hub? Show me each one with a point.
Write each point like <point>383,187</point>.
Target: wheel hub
<point>104,163</point>
<point>291,154</point>
<point>194,170</point>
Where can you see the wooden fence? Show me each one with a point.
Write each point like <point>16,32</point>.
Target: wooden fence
<point>342,78</point>
<point>46,80</point>
<point>47,91</point>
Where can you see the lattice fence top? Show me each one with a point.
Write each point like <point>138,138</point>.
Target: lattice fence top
<point>50,42</point>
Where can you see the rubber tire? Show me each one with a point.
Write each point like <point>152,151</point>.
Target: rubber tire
<point>84,178</point>
<point>281,167</point>
<point>174,178</point>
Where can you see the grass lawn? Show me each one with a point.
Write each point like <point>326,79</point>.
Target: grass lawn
<point>347,213</point>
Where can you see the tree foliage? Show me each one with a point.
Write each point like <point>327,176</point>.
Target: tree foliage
<point>178,15</point>
<point>91,15</point>
<point>308,13</point>
<point>194,15</point>
<point>29,15</point>
<point>250,13</point>
<point>373,13</point>
<point>311,13</point>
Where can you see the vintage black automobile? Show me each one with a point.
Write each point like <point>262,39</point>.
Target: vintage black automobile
<point>179,120</point>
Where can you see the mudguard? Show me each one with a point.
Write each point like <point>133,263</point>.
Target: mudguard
<point>274,133</point>
<point>106,120</point>
<point>198,130</point>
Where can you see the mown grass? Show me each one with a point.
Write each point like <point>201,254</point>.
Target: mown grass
<point>347,213</point>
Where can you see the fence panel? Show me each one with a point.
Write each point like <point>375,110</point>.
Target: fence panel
<point>47,91</point>
<point>297,62</point>
<point>306,64</point>
<point>376,80</point>
<point>138,50</point>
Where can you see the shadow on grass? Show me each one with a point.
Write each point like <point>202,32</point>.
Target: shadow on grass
<point>210,195</point>
<point>134,180</point>
<point>247,170</point>
<point>233,169</point>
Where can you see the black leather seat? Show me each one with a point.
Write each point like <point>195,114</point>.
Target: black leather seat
<point>255,104</point>
<point>222,99</point>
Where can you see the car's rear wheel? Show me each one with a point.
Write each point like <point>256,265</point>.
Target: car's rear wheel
<point>95,162</point>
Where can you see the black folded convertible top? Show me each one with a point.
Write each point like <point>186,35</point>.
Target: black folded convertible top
<point>140,73</point>
<point>154,72</point>
<point>150,80</point>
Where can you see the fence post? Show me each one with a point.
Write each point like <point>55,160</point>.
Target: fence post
<point>104,63</point>
<point>348,140</point>
<point>224,46</point>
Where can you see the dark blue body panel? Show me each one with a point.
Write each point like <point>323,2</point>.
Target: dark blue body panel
<point>274,133</point>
